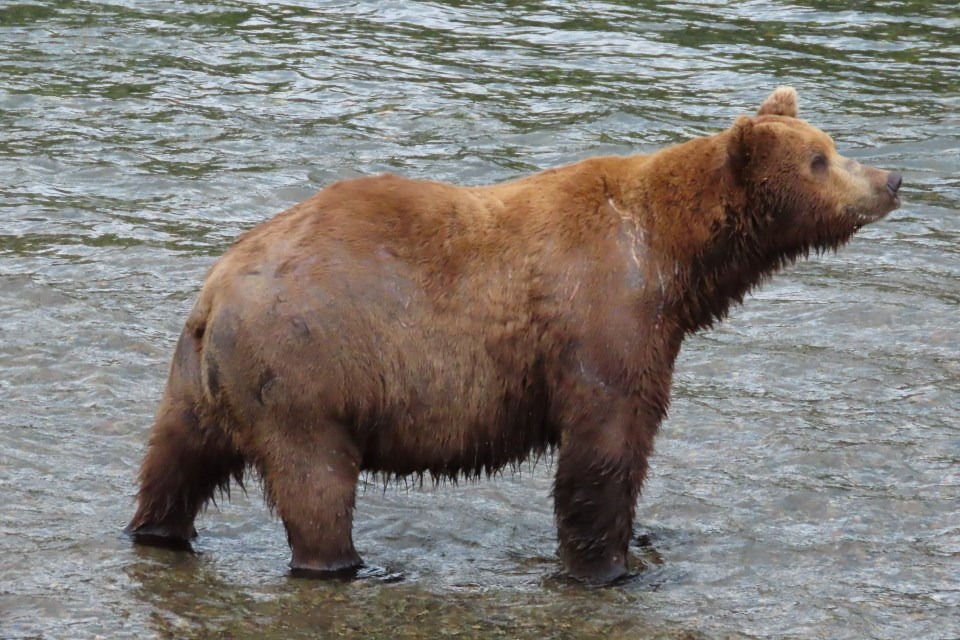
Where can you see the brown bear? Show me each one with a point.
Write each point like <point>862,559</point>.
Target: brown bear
<point>405,326</point>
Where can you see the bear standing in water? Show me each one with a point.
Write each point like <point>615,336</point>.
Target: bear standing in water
<point>406,326</point>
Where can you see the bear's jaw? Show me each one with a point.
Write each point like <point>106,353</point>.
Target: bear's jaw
<point>863,218</point>
<point>858,216</point>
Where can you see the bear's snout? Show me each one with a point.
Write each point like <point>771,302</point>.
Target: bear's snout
<point>883,191</point>
<point>894,180</point>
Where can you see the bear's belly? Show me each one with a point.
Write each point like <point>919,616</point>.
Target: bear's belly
<point>497,427</point>
<point>420,388</point>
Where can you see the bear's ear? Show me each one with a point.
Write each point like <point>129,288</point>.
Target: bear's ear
<point>782,102</point>
<point>738,143</point>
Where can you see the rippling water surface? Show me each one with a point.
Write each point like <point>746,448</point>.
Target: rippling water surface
<point>807,482</point>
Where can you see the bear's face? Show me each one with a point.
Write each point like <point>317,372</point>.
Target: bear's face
<point>806,195</point>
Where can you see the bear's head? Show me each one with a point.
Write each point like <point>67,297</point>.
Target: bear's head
<point>800,193</point>
<point>758,196</point>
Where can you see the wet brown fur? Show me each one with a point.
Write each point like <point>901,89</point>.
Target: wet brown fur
<point>405,326</point>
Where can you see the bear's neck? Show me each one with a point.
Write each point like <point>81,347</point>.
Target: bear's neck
<point>701,229</point>
<point>722,278</point>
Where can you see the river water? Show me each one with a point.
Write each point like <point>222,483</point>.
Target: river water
<point>807,481</point>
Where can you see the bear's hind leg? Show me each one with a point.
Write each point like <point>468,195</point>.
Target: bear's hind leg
<point>312,484</point>
<point>187,461</point>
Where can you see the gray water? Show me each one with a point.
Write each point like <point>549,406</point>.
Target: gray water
<point>807,481</point>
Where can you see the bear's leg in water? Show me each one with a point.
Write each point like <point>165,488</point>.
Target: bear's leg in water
<point>602,465</point>
<point>310,476</point>
<point>186,463</point>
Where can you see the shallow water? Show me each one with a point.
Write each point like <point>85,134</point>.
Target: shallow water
<point>807,482</point>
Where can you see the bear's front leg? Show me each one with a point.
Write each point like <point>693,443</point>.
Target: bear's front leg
<point>602,465</point>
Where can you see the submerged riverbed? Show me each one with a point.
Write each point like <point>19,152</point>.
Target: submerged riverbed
<point>806,483</point>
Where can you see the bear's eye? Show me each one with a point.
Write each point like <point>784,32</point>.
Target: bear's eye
<point>819,162</point>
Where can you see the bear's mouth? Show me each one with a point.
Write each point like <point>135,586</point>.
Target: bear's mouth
<point>896,199</point>
<point>863,219</point>
<point>863,216</point>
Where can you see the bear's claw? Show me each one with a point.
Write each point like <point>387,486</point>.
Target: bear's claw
<point>157,536</point>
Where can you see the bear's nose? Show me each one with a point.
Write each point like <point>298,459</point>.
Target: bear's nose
<point>893,182</point>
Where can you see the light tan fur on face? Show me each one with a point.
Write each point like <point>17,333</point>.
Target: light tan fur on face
<point>857,192</point>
